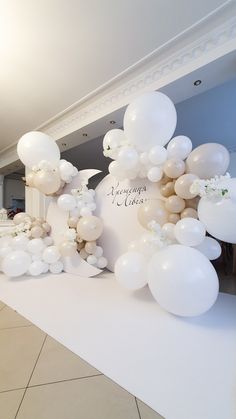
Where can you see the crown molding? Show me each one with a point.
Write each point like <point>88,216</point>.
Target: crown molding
<point>211,38</point>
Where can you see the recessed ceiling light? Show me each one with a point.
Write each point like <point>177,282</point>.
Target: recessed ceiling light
<point>197,82</point>
<point>85,134</point>
<point>64,144</point>
<point>112,122</point>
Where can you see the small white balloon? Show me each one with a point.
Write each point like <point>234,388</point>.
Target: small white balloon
<point>20,242</point>
<point>179,147</point>
<point>35,246</point>
<point>56,267</point>
<point>190,232</point>
<point>98,251</point>
<point>131,270</point>
<point>102,262</point>
<point>16,263</point>
<point>128,157</point>
<point>66,202</point>
<point>112,142</point>
<point>210,248</point>
<point>157,155</point>
<point>155,174</point>
<point>144,158</point>
<point>36,268</point>
<point>51,254</point>
<point>92,260</point>
<point>169,230</point>
<point>85,211</point>
<point>48,240</point>
<point>117,170</point>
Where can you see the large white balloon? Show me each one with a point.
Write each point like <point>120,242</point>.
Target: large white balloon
<point>189,231</point>
<point>219,216</point>
<point>150,120</point>
<point>183,281</point>
<point>36,146</point>
<point>131,270</point>
<point>210,248</point>
<point>16,263</point>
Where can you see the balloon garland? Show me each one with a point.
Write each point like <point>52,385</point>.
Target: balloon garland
<point>173,256</point>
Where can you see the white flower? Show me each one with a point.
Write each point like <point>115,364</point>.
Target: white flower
<point>211,188</point>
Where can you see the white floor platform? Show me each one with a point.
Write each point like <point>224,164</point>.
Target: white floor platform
<point>182,368</point>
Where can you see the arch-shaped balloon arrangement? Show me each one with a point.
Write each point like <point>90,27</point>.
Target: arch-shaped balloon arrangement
<point>173,256</point>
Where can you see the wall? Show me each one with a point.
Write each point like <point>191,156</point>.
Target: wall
<point>210,116</point>
<point>13,188</point>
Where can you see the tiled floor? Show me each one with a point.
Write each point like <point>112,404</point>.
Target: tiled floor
<point>41,379</point>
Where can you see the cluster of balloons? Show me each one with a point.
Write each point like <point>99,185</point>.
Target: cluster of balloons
<point>29,249</point>
<point>40,153</point>
<point>173,258</point>
<point>84,228</point>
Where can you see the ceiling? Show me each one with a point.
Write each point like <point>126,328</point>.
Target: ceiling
<point>54,52</point>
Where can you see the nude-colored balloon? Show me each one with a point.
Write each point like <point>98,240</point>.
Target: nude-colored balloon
<point>90,228</point>
<point>152,210</point>
<point>72,222</point>
<point>173,218</point>
<point>192,203</point>
<point>37,232</point>
<point>208,160</point>
<point>182,186</point>
<point>174,168</point>
<point>165,179</point>
<point>29,179</point>
<point>189,213</point>
<point>47,183</point>
<point>21,217</point>
<point>68,248</point>
<point>175,204</point>
<point>168,189</point>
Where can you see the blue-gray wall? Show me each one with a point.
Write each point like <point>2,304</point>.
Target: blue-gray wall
<point>210,116</point>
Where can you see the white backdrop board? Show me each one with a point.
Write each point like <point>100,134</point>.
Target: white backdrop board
<point>182,368</point>
<point>117,205</point>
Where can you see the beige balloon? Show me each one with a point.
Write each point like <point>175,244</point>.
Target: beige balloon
<point>208,160</point>
<point>90,247</point>
<point>37,232</point>
<point>189,213</point>
<point>90,228</point>
<point>47,183</point>
<point>68,248</point>
<point>173,218</point>
<point>46,227</point>
<point>174,168</point>
<point>72,222</point>
<point>21,217</point>
<point>29,179</point>
<point>168,189</point>
<point>183,184</point>
<point>165,179</point>
<point>175,204</point>
<point>192,203</point>
<point>80,246</point>
<point>152,210</point>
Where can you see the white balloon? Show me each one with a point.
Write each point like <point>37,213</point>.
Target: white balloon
<point>4,250</point>
<point>66,169</point>
<point>36,268</point>
<point>98,251</point>
<point>169,231</point>
<point>128,157</point>
<point>102,262</point>
<point>154,174</point>
<point>35,246</point>
<point>144,159</point>
<point>219,216</point>
<point>85,211</point>
<point>190,232</point>
<point>16,263</point>
<point>51,254</point>
<point>20,242</point>
<point>157,155</point>
<point>131,270</point>
<point>147,246</point>
<point>56,267</point>
<point>150,120</point>
<point>48,240</point>
<point>117,170</point>
<point>5,241</point>
<point>21,217</point>
<point>112,142</point>
<point>210,248</point>
<point>36,146</point>
<point>183,281</point>
<point>92,260</point>
<point>66,202</point>
<point>179,147</point>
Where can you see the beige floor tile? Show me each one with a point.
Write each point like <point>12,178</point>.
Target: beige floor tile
<point>146,412</point>
<point>19,349</point>
<point>10,318</point>
<point>1,305</point>
<point>58,363</point>
<point>9,403</point>
<point>88,398</point>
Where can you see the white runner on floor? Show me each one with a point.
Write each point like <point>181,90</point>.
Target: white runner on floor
<point>182,368</point>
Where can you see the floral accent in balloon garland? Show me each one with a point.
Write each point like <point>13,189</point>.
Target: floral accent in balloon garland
<point>28,248</point>
<point>212,188</point>
<point>84,229</point>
